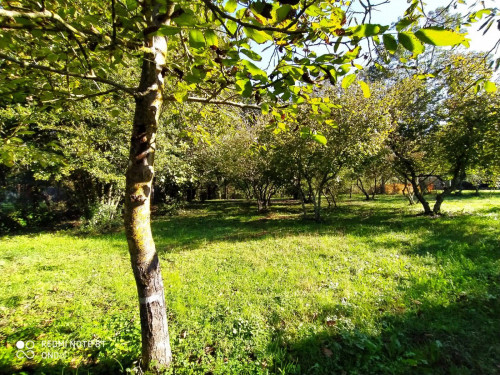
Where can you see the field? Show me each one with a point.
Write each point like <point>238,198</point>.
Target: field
<point>373,289</point>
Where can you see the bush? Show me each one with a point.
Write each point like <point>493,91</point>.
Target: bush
<point>103,217</point>
<point>20,215</point>
<point>169,208</point>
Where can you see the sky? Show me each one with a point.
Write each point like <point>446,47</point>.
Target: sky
<point>389,13</point>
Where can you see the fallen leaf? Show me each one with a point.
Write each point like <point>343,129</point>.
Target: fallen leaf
<point>327,352</point>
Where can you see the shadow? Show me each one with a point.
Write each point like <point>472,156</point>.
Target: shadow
<point>417,335</point>
<point>104,360</point>
<point>461,338</point>
<point>238,222</point>
<point>102,367</point>
<point>458,335</point>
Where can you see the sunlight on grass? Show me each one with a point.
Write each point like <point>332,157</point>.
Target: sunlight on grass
<point>372,289</point>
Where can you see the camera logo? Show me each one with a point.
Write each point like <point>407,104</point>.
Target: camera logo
<point>25,349</point>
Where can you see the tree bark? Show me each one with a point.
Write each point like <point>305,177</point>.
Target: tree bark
<point>458,177</point>
<point>419,195</point>
<point>302,200</point>
<point>362,188</point>
<point>156,352</point>
<point>407,193</point>
<point>317,202</point>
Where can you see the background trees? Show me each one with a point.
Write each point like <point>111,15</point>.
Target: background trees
<point>198,51</point>
<point>436,137</point>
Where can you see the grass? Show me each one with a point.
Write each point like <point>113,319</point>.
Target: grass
<point>373,289</point>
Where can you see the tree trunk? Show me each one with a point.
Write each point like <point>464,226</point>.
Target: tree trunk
<point>418,194</point>
<point>440,197</point>
<point>317,204</point>
<point>407,193</point>
<point>156,352</point>
<point>362,188</point>
<point>260,206</point>
<point>268,198</point>
<point>458,177</point>
<point>317,209</point>
<point>330,196</point>
<point>437,205</point>
<point>303,201</point>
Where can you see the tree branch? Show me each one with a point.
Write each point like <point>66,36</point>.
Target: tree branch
<point>45,14</point>
<point>284,30</point>
<point>76,98</point>
<point>28,65</point>
<point>194,99</point>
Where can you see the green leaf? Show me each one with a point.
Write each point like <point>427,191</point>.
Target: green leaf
<point>314,11</point>
<point>196,39</point>
<point>365,88</point>
<point>257,35</point>
<point>264,108</point>
<point>490,86</point>
<point>403,24</point>
<point>390,43</point>
<point>305,132</point>
<point>231,26</point>
<point>211,38</point>
<point>320,138</point>
<point>195,76</point>
<point>244,87</point>
<point>255,71</point>
<point>438,36</point>
<point>366,30</point>
<point>282,12</point>
<point>351,55</point>
<point>16,140</point>
<point>326,57</point>
<point>230,6</point>
<point>348,80</point>
<point>25,132</point>
<point>254,56</point>
<point>185,19</point>
<point>167,30</point>
<point>411,43</point>
<point>132,4</point>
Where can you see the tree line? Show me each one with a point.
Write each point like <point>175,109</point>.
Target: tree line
<point>75,74</point>
<point>407,128</point>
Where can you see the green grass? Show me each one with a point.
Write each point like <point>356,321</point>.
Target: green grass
<point>373,289</point>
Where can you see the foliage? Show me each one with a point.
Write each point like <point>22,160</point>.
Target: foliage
<point>444,126</point>
<point>80,50</point>
<point>352,131</point>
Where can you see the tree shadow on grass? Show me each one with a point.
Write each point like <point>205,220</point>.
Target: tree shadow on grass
<point>103,367</point>
<point>461,338</point>
<point>191,231</point>
<point>458,336</point>
<point>53,357</point>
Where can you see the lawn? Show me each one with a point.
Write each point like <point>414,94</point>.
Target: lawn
<point>373,289</point>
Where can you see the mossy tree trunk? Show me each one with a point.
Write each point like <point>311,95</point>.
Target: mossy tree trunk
<point>156,352</point>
